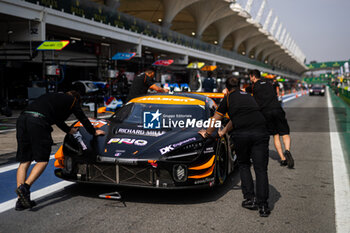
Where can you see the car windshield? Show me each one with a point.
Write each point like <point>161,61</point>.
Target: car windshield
<point>317,87</point>
<point>135,113</point>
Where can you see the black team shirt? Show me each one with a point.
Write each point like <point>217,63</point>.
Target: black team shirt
<point>264,95</point>
<point>243,111</point>
<point>57,107</point>
<point>140,86</point>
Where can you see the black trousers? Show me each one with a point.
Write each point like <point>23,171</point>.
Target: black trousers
<point>253,146</point>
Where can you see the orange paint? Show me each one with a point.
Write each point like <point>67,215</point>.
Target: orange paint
<point>205,165</point>
<point>205,174</point>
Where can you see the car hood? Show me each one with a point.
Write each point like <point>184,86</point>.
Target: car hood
<point>132,142</point>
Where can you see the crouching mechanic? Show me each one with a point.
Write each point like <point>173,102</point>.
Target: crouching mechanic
<point>34,137</point>
<point>251,140</point>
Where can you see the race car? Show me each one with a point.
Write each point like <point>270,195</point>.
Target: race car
<point>317,90</point>
<point>152,141</point>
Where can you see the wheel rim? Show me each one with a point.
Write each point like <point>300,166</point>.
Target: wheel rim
<point>221,161</point>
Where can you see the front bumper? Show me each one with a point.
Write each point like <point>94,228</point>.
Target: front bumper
<point>142,174</point>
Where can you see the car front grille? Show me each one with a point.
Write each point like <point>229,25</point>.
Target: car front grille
<point>121,174</point>
<point>135,175</point>
<point>102,173</point>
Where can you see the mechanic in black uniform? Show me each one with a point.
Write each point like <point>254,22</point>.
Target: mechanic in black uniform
<point>274,114</point>
<point>34,136</point>
<point>142,83</point>
<point>251,141</point>
<point>209,83</point>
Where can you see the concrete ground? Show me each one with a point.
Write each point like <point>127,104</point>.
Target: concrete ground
<point>302,199</point>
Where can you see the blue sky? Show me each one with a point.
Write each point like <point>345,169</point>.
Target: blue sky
<point>321,28</point>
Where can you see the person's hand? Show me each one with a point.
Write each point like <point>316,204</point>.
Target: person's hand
<point>73,130</point>
<point>221,132</point>
<point>166,90</point>
<point>203,133</point>
<point>225,91</point>
<point>99,132</point>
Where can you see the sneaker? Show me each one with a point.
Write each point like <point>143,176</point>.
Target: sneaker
<point>23,193</point>
<point>283,163</point>
<point>264,211</point>
<point>250,204</point>
<point>289,158</point>
<point>20,207</point>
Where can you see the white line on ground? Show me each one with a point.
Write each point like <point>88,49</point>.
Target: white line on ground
<point>340,175</point>
<point>36,195</point>
<point>15,165</point>
<point>7,130</point>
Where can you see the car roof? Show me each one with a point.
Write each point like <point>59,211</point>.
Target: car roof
<point>177,98</point>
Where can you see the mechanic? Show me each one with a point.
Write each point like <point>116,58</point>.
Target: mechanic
<point>251,140</point>
<point>33,132</point>
<point>142,83</point>
<point>209,83</point>
<point>274,114</point>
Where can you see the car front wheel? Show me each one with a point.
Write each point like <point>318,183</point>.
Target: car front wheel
<point>221,161</point>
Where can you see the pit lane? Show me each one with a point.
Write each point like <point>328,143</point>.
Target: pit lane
<point>302,199</point>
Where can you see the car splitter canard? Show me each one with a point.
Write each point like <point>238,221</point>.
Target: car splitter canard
<point>113,196</point>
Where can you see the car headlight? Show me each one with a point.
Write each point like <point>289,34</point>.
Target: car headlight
<point>322,91</point>
<point>192,146</point>
<point>185,153</point>
<point>311,90</point>
<point>180,172</point>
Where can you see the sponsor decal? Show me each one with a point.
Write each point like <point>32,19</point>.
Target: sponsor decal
<point>168,100</point>
<point>153,120</point>
<point>206,180</point>
<point>151,133</point>
<point>119,153</point>
<point>209,150</point>
<point>171,147</point>
<point>128,141</point>
<point>95,123</point>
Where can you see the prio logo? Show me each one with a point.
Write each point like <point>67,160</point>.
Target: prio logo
<point>151,120</point>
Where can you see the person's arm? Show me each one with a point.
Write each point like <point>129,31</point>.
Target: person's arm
<point>63,126</point>
<point>210,130</point>
<point>158,89</point>
<point>150,83</point>
<point>219,114</point>
<point>226,129</point>
<point>80,115</point>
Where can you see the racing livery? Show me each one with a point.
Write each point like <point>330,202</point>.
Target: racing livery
<point>152,141</point>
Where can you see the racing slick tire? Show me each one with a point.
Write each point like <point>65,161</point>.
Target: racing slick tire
<point>221,163</point>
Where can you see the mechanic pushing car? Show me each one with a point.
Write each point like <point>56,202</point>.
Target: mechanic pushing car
<point>142,83</point>
<point>274,114</point>
<point>34,137</point>
<point>251,141</point>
